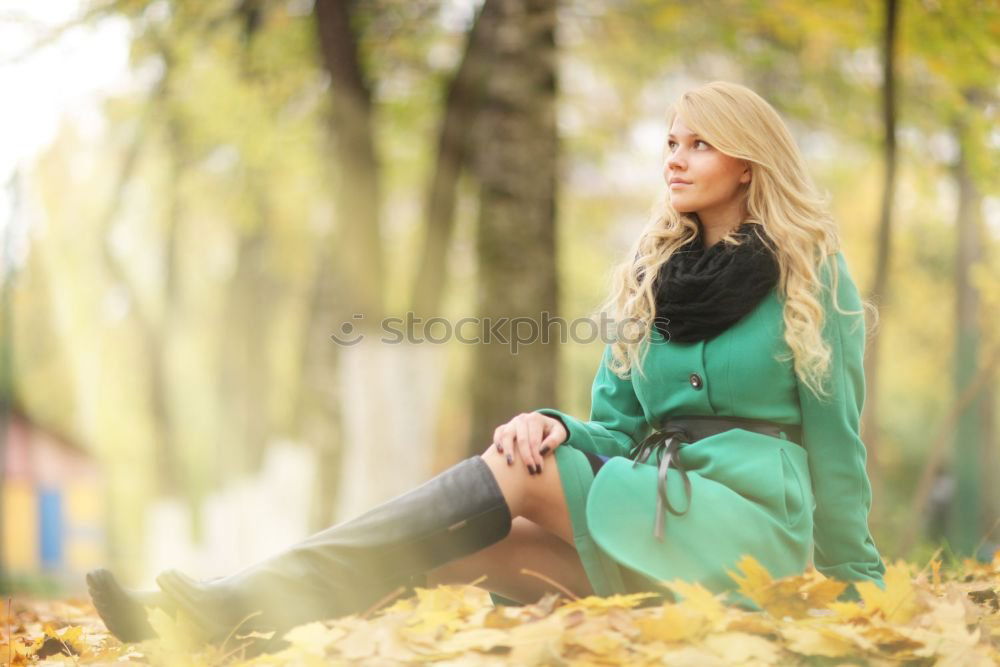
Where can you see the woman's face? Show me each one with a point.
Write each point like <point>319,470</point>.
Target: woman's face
<point>710,179</point>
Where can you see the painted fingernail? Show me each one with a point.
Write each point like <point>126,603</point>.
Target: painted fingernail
<point>510,460</point>
<point>544,450</point>
<point>500,448</point>
<point>532,469</point>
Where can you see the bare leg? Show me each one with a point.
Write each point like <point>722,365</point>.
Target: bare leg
<point>528,546</point>
<point>541,538</point>
<point>537,497</point>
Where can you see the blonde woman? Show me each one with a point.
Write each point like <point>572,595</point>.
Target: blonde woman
<point>726,423</point>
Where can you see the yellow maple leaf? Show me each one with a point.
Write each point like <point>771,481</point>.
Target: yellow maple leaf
<point>539,642</point>
<point>676,623</point>
<point>600,604</point>
<point>757,624</point>
<point>313,638</point>
<point>898,603</point>
<point>18,650</point>
<point>438,623</point>
<point>402,605</point>
<point>847,611</point>
<point>178,633</point>
<point>740,648</point>
<point>818,591</point>
<point>70,638</point>
<point>473,639</point>
<point>700,598</point>
<point>691,656</point>
<point>603,644</point>
<point>890,640</point>
<point>789,596</point>
<point>756,580</point>
<point>944,634</point>
<point>822,639</point>
<point>458,600</point>
<point>360,643</point>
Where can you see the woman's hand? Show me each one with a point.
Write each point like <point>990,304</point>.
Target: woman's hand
<point>530,435</point>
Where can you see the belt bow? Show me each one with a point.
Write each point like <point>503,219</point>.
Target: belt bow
<point>669,439</point>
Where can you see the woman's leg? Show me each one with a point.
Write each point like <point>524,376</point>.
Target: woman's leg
<point>344,568</point>
<point>339,570</point>
<point>528,546</point>
<point>539,498</point>
<point>541,537</point>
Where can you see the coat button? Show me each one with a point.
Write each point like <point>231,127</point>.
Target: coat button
<point>695,380</point>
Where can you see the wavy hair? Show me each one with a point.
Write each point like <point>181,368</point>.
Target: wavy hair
<point>780,197</point>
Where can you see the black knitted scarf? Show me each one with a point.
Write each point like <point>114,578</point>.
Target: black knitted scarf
<point>700,293</point>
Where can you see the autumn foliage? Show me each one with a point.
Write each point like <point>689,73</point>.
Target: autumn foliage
<point>925,616</point>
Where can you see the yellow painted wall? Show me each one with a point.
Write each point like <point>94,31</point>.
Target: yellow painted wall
<point>20,526</point>
<point>83,513</point>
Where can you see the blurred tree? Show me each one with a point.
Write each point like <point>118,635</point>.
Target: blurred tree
<point>955,98</point>
<point>968,519</point>
<point>154,321</point>
<point>879,290</point>
<point>515,164</point>
<point>462,101</point>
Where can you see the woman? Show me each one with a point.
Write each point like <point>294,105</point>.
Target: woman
<point>739,434</point>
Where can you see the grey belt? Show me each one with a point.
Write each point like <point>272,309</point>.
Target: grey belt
<point>674,432</point>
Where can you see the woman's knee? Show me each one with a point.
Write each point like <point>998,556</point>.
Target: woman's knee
<point>513,479</point>
<point>539,497</point>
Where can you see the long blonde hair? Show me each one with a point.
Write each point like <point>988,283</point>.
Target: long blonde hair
<point>780,197</point>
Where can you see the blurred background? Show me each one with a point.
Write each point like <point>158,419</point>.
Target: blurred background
<point>199,199</point>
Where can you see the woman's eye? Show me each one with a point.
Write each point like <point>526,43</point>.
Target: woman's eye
<point>671,144</point>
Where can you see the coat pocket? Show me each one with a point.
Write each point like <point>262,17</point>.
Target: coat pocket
<point>793,496</point>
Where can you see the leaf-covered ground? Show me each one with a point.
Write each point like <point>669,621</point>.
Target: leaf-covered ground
<point>924,617</point>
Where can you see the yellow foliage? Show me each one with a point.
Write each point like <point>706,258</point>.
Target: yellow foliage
<point>790,596</point>
<point>898,602</point>
<point>941,618</point>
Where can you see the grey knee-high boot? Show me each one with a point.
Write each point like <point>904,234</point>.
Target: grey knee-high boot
<point>341,570</point>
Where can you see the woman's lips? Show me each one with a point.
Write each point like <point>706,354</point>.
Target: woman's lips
<point>678,184</point>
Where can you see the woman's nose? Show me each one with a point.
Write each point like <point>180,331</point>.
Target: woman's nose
<point>674,163</point>
<point>674,160</point>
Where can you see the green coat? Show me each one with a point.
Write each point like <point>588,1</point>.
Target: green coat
<point>751,494</point>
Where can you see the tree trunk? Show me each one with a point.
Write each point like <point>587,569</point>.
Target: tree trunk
<point>880,285</point>
<point>967,518</point>
<point>465,91</point>
<point>319,405</point>
<point>516,162</point>
<point>153,332</point>
<point>372,461</point>
<point>389,392</point>
<point>244,377</point>
<point>358,249</point>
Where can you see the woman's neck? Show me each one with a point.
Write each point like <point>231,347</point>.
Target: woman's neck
<point>713,231</point>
